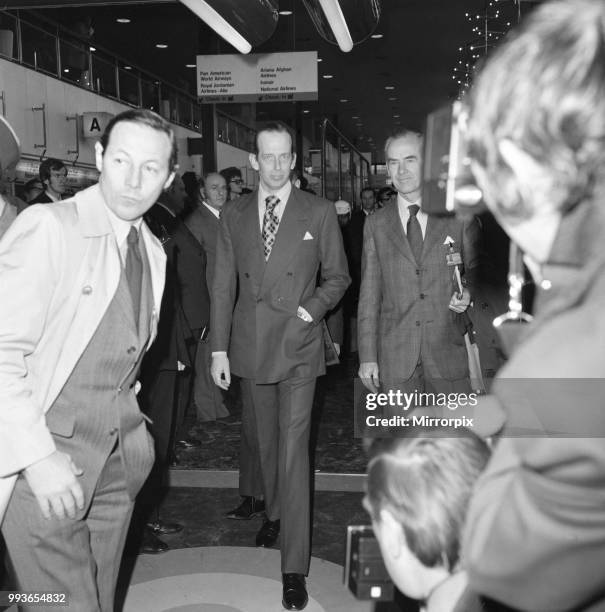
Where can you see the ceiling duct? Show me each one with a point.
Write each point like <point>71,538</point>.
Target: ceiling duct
<point>344,22</point>
<point>242,24</point>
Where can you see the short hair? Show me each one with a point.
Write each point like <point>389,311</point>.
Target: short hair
<point>544,89</point>
<point>385,191</point>
<point>229,173</point>
<point>425,480</point>
<point>146,117</point>
<point>48,165</point>
<point>273,126</point>
<point>405,133</point>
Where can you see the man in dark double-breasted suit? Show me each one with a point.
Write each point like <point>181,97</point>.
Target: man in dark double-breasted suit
<point>266,312</point>
<point>408,335</point>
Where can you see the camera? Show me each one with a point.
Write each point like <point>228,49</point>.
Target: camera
<point>365,573</point>
<point>448,184</point>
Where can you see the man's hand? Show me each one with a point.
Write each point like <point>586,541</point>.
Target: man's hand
<point>460,303</point>
<point>368,372</point>
<point>53,482</point>
<point>219,369</point>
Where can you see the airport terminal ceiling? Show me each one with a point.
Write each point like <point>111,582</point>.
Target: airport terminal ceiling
<point>381,85</point>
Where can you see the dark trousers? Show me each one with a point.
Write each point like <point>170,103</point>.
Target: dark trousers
<point>282,415</point>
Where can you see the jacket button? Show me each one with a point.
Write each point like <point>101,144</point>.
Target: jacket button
<point>87,290</point>
<point>417,272</point>
<point>113,431</point>
<point>246,275</point>
<point>422,296</point>
<point>417,323</point>
<point>259,300</point>
<point>131,349</point>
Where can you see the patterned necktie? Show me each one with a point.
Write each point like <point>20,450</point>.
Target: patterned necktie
<point>414,232</point>
<point>134,270</point>
<point>270,224</point>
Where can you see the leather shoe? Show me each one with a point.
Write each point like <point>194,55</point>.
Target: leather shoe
<point>151,544</point>
<point>294,592</point>
<point>267,534</point>
<point>251,506</point>
<point>164,527</point>
<point>188,444</point>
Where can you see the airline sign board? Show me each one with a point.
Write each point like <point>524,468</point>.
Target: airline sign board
<point>267,77</point>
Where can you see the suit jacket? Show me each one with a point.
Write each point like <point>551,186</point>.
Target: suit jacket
<point>186,303</point>
<point>535,530</point>
<point>204,226</point>
<point>403,305</point>
<point>49,313</point>
<point>41,199</point>
<point>265,339</point>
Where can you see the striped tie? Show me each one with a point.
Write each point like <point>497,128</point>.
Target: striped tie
<point>270,224</point>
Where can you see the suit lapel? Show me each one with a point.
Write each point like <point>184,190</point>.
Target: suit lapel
<point>291,232</point>
<point>394,231</point>
<point>434,233</point>
<point>250,236</point>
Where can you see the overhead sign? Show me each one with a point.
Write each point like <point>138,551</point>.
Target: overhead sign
<point>267,77</point>
<point>94,124</point>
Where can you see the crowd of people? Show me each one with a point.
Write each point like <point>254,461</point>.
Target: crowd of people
<point>139,299</point>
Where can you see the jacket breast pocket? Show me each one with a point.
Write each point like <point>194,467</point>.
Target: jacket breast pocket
<point>60,420</point>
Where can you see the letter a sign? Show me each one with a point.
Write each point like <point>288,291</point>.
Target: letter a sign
<point>94,124</point>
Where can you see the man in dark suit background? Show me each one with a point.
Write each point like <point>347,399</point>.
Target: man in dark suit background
<point>407,334</point>
<point>203,224</point>
<point>184,314</point>
<point>266,315</point>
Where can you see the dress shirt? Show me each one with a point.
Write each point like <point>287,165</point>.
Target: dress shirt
<point>214,211</point>
<point>120,231</point>
<point>52,197</point>
<point>283,194</point>
<point>404,214</point>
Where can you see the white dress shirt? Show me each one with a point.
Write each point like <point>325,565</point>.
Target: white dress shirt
<point>215,211</point>
<point>404,214</point>
<point>283,194</point>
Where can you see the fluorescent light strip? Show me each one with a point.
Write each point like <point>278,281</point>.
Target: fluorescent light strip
<point>207,14</point>
<point>338,23</point>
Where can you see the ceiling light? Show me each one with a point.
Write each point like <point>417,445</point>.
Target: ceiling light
<point>306,110</point>
<point>127,67</point>
<point>392,99</point>
<point>396,116</point>
<point>328,76</point>
<point>338,23</point>
<point>389,87</point>
<point>93,48</point>
<point>65,69</point>
<point>190,66</point>
<point>319,59</point>
<point>354,117</point>
<point>219,24</point>
<point>343,100</point>
<point>285,13</point>
<point>162,46</point>
<point>377,36</point>
<point>123,20</point>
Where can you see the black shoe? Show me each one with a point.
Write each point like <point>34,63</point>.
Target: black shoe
<point>268,533</point>
<point>151,544</point>
<point>294,593</point>
<point>188,444</point>
<point>164,527</point>
<point>251,506</point>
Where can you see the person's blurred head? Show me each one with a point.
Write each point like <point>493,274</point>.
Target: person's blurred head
<point>32,189</point>
<point>368,199</point>
<point>191,182</point>
<point>403,156</point>
<point>53,175</point>
<point>343,212</point>
<point>385,196</point>
<point>214,190</point>
<point>536,122</point>
<point>418,490</point>
<point>274,158</point>
<point>235,183</point>
<point>175,196</point>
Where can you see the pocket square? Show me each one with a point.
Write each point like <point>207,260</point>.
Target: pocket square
<point>308,236</point>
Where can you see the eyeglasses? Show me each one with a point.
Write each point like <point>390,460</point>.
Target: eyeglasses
<point>237,181</point>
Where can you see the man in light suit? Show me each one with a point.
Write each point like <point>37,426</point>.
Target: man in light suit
<point>82,283</point>
<point>265,327</point>
<point>407,333</point>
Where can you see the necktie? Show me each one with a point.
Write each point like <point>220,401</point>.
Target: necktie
<point>270,224</point>
<point>134,270</point>
<point>414,232</point>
